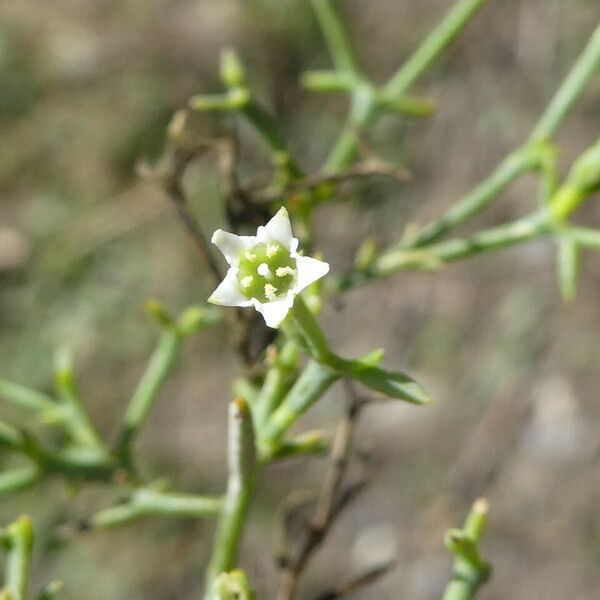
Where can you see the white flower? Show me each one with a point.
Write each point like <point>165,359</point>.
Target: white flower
<point>265,271</point>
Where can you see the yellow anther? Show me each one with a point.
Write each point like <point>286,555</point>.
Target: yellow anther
<point>247,281</point>
<point>272,250</point>
<point>283,271</point>
<point>249,255</point>
<point>270,292</point>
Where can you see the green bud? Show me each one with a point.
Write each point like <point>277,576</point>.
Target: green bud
<point>366,254</point>
<point>585,172</point>
<point>158,312</point>
<point>233,73</point>
<point>191,320</point>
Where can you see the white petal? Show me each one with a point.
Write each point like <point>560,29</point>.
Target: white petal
<point>232,245</point>
<point>309,270</point>
<point>274,312</point>
<point>278,229</point>
<point>228,293</point>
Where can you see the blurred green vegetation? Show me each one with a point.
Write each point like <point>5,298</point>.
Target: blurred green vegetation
<point>86,90</point>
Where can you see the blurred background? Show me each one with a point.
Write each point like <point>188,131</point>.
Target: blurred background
<point>87,88</point>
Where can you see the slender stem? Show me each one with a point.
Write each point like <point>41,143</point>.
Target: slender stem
<point>18,560</point>
<point>363,111</point>
<point>174,188</point>
<point>432,47</point>
<point>345,149</point>
<point>512,167</point>
<point>148,502</point>
<point>335,36</point>
<point>11,438</point>
<point>277,381</point>
<point>25,397</point>
<point>315,380</point>
<point>78,422</point>
<point>584,236</point>
<point>152,381</point>
<point>523,230</point>
<point>269,129</point>
<point>530,156</point>
<point>434,256</point>
<point>576,81</point>
<point>568,266</point>
<point>470,571</point>
<point>18,479</point>
<point>240,488</point>
<point>311,331</point>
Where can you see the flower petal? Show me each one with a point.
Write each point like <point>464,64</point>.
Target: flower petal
<point>232,245</point>
<point>274,312</point>
<point>278,229</point>
<point>228,293</point>
<point>309,270</point>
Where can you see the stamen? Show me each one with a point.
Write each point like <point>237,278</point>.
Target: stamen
<point>249,256</point>
<point>272,250</point>
<point>263,270</point>
<point>283,271</point>
<point>270,292</point>
<point>247,281</point>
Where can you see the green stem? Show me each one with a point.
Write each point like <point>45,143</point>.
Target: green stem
<point>152,381</point>
<point>583,236</point>
<point>77,421</point>
<point>87,463</point>
<point>268,128</point>
<point>512,167</point>
<point>434,256</point>
<point>345,149</point>
<point>335,36</point>
<point>18,479</point>
<point>311,331</point>
<point>277,381</point>
<point>18,560</point>
<point>25,398</point>
<point>11,438</point>
<point>148,502</point>
<point>315,380</point>
<point>432,47</point>
<point>530,156</point>
<point>363,111</point>
<point>469,571</point>
<point>576,81</point>
<point>240,488</point>
<point>523,230</point>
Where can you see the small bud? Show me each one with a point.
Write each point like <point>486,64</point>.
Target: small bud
<point>233,73</point>
<point>585,172</point>
<point>366,254</point>
<point>195,317</point>
<point>158,312</point>
<point>177,125</point>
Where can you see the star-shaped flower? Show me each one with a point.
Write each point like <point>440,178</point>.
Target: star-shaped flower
<point>265,270</point>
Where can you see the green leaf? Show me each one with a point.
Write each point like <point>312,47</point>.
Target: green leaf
<point>393,384</point>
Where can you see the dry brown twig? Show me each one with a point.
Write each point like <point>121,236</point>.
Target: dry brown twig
<point>333,498</point>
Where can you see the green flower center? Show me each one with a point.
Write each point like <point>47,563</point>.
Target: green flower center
<point>266,272</point>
